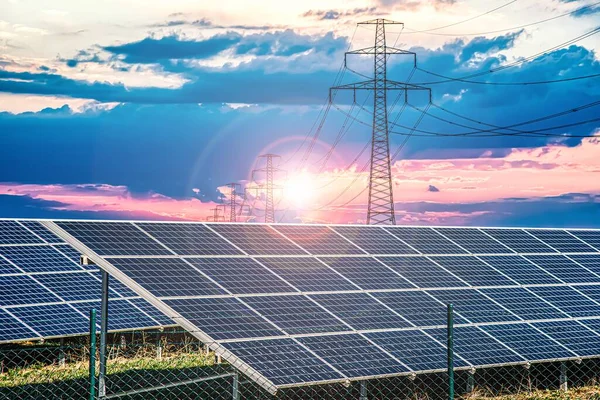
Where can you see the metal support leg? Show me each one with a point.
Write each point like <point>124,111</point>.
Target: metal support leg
<point>450,347</point>
<point>92,367</point>
<point>563,377</point>
<point>103,330</point>
<point>363,390</point>
<point>61,353</point>
<point>235,394</point>
<point>159,348</point>
<point>471,381</point>
<point>528,373</point>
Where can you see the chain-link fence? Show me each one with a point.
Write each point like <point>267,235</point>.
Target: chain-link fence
<point>172,364</point>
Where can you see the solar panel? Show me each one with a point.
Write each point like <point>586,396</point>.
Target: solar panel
<point>561,241</point>
<point>38,259</point>
<point>520,269</point>
<point>283,361</point>
<point>122,315</point>
<point>224,318</point>
<point>519,240</point>
<point>528,342</point>
<point>12,329</point>
<point>241,275</point>
<point>473,305</point>
<point>573,335</point>
<point>564,269</point>
<point>418,307</point>
<point>360,311</point>
<point>307,274</point>
<point>295,314</point>
<point>189,239</point>
<point>374,240</point>
<point>477,347</point>
<point>152,311</point>
<point>166,277</point>
<point>590,237</point>
<point>474,241</point>
<point>416,349</point>
<point>8,268</point>
<point>53,320</point>
<point>113,238</point>
<point>41,231</point>
<point>568,300</point>
<point>422,272</point>
<point>473,271</point>
<point>15,289</point>
<point>257,239</point>
<point>523,303</point>
<point>74,286</point>
<point>11,232</point>
<point>425,240</point>
<point>589,261</point>
<point>353,355</point>
<point>591,291</point>
<point>367,272</point>
<point>319,240</point>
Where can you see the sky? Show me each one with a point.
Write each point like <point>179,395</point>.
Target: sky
<point>148,109</point>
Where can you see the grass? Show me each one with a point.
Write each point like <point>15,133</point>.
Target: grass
<point>583,393</point>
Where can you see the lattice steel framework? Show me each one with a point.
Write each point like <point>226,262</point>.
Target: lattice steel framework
<point>381,196</point>
<point>233,206</point>
<point>269,186</point>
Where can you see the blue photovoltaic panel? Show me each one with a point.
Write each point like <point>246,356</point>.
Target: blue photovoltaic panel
<point>42,231</point>
<point>74,286</point>
<point>591,291</point>
<point>417,350</point>
<point>528,342</point>
<point>258,239</point>
<point>519,240</point>
<point>223,318</point>
<point>520,269</point>
<point>573,335</point>
<point>473,271</point>
<point>476,347</point>
<point>38,259</point>
<point>418,307</point>
<point>589,261</point>
<point>295,314</point>
<point>189,239</point>
<point>523,303</point>
<point>53,320</point>
<point>568,300</point>
<point>593,324</point>
<point>74,255</point>
<point>422,272</point>
<point>167,277</point>
<point>360,311</point>
<point>152,311</point>
<point>425,240</point>
<point>122,315</point>
<point>115,286</point>
<point>474,240</point>
<point>113,238</point>
<point>307,274</point>
<point>8,268</point>
<point>283,361</point>
<point>13,233</point>
<point>473,305</point>
<point>12,329</point>
<point>367,272</point>
<point>564,269</point>
<point>590,237</point>
<point>561,241</point>
<point>374,240</point>
<point>22,289</point>
<point>353,355</point>
<point>318,240</point>
<point>241,275</point>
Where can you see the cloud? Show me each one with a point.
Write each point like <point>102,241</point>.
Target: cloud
<point>432,188</point>
<point>338,14</point>
<point>482,45</point>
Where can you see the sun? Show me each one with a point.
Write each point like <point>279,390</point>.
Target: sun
<point>299,190</point>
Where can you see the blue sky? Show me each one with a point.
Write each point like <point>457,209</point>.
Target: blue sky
<point>147,110</point>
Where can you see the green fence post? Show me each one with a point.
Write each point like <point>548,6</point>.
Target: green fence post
<point>92,368</point>
<point>450,352</point>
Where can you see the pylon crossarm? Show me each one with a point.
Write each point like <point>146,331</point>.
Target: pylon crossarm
<point>381,21</point>
<point>386,50</point>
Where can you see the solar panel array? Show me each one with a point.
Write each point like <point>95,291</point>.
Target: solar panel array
<point>298,304</point>
<point>45,292</point>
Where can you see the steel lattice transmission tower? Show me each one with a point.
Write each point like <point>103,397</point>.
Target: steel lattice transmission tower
<point>233,205</point>
<point>269,170</point>
<point>381,194</point>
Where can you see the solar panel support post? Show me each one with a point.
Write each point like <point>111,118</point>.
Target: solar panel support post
<point>450,347</point>
<point>363,390</point>
<point>103,330</point>
<point>471,380</point>
<point>92,368</point>
<point>61,353</point>
<point>235,393</point>
<point>564,386</point>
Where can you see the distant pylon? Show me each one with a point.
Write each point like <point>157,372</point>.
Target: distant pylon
<point>269,186</point>
<point>381,196</point>
<point>216,216</point>
<point>233,206</point>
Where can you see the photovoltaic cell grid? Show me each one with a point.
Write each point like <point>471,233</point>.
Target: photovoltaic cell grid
<point>239,301</point>
<point>40,273</point>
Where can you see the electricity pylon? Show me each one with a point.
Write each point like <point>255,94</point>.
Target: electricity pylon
<point>269,170</point>
<point>233,206</point>
<point>381,194</point>
<point>217,215</point>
